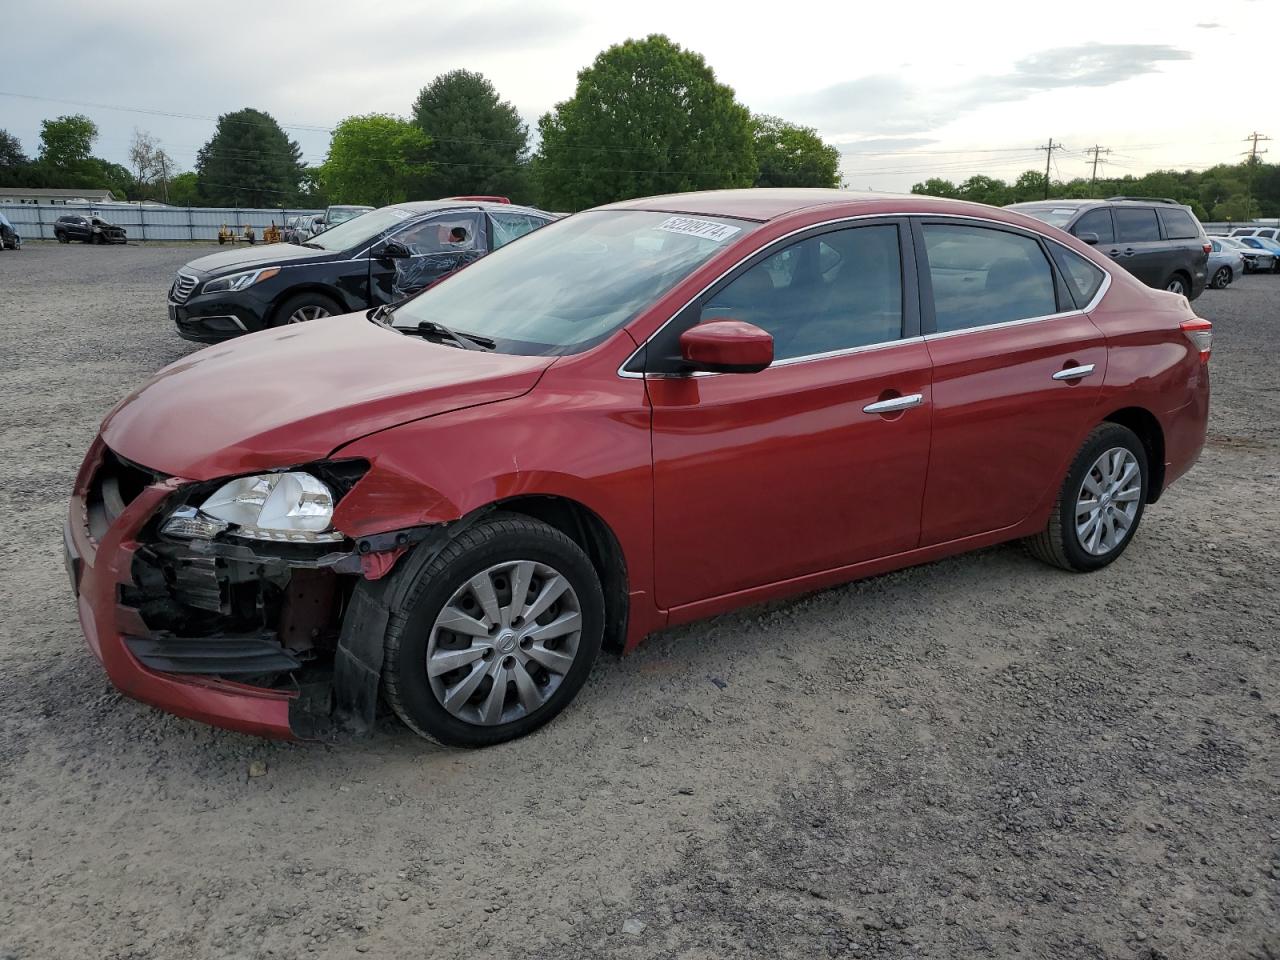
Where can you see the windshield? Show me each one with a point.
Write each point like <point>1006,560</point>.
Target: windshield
<point>567,286</point>
<point>1054,216</point>
<point>339,215</point>
<point>359,230</point>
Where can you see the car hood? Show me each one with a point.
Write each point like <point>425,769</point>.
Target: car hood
<point>246,258</point>
<point>295,394</point>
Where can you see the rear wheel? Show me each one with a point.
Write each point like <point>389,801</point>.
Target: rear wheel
<point>495,635</point>
<point>1178,284</point>
<point>1221,278</point>
<point>1100,504</point>
<point>305,306</point>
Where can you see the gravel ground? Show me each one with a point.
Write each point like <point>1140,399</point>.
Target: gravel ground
<point>982,757</point>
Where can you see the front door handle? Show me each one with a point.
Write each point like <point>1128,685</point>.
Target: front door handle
<point>895,404</point>
<point>1074,373</point>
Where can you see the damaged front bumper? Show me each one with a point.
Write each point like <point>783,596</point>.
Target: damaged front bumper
<point>270,639</point>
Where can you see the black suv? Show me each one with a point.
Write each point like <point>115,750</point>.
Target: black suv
<point>376,258</point>
<point>90,229</point>
<point>1159,241</point>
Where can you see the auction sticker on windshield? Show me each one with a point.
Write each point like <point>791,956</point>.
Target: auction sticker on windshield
<point>704,229</point>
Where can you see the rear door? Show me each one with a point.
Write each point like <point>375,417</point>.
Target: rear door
<point>1001,327</point>
<point>1143,251</point>
<point>1185,237</point>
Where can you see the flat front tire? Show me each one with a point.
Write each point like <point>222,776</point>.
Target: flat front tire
<point>1100,503</point>
<point>495,634</point>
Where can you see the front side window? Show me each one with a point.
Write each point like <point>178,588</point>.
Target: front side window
<point>508,226</point>
<point>1179,225</point>
<point>1096,222</point>
<point>570,284</point>
<point>1136,225</point>
<point>982,276</point>
<point>449,233</point>
<point>827,293</point>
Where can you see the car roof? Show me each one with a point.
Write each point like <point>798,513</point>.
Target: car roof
<point>429,206</point>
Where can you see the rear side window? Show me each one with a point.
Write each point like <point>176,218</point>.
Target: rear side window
<point>1136,225</point>
<point>1179,225</point>
<point>1083,278</point>
<point>508,226</point>
<point>1096,221</point>
<point>982,276</point>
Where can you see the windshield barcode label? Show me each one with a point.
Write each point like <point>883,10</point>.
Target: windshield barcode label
<point>703,229</point>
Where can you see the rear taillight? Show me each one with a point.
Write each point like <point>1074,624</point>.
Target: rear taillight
<point>1200,332</point>
<point>1208,248</point>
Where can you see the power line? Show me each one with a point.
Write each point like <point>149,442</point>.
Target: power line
<point>1097,152</point>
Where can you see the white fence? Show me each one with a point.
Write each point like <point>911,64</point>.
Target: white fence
<point>35,221</point>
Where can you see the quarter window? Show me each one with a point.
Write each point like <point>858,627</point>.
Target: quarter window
<point>827,293</point>
<point>1083,278</point>
<point>1096,221</point>
<point>1136,225</point>
<point>982,276</point>
<point>1179,225</point>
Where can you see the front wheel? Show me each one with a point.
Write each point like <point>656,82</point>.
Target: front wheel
<point>1100,504</point>
<point>1221,278</point>
<point>305,306</point>
<point>494,635</point>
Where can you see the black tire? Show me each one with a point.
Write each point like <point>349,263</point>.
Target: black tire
<point>60,236</point>
<point>1059,544</point>
<point>1181,281</point>
<point>95,238</point>
<point>1221,278</point>
<point>300,301</point>
<point>430,583</point>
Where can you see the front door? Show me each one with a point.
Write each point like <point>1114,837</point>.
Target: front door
<point>438,246</point>
<point>814,463</point>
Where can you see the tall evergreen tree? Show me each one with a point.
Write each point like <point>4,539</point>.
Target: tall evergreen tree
<point>479,144</point>
<point>248,162</point>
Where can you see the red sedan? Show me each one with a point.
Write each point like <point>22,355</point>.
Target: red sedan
<point>641,415</point>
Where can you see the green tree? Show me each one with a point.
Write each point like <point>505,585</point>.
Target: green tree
<point>248,162</point>
<point>789,155</point>
<point>479,144</point>
<point>647,117</point>
<point>936,187</point>
<point>1029,186</point>
<point>66,142</point>
<point>981,189</point>
<point>376,159</point>
<point>183,190</point>
<point>13,162</point>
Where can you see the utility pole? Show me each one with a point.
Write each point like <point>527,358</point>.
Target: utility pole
<point>1047,161</point>
<point>164,175</point>
<point>1252,153</point>
<point>1097,151</point>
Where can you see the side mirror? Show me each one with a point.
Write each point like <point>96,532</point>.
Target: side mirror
<point>395,250</point>
<point>1090,238</point>
<point>727,346</point>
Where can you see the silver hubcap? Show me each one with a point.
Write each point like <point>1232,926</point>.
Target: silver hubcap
<point>504,642</point>
<point>1175,286</point>
<point>303,314</point>
<point>1107,501</point>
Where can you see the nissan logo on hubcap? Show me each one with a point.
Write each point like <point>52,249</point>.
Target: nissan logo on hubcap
<point>506,641</point>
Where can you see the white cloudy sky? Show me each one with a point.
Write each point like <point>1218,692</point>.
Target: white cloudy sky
<point>906,90</point>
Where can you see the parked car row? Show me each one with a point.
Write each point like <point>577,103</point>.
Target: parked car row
<point>366,261</point>
<point>631,418</point>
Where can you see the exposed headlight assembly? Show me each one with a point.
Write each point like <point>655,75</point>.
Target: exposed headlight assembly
<point>292,507</point>
<point>239,281</point>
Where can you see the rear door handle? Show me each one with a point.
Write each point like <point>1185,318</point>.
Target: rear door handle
<point>1074,373</point>
<point>894,404</point>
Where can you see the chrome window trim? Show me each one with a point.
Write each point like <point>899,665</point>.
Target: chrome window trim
<point>1091,305</point>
